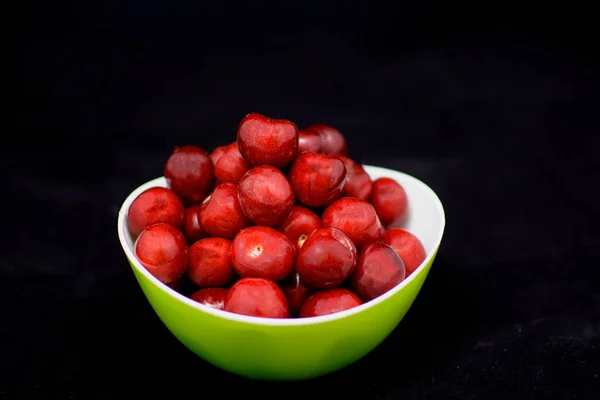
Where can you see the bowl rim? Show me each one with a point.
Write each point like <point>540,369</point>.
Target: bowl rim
<point>160,181</point>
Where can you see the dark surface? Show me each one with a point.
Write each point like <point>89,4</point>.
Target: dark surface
<point>497,117</point>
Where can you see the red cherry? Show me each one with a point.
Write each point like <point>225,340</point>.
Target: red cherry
<point>309,141</point>
<point>299,224</point>
<point>329,302</point>
<point>192,230</point>
<point>266,141</point>
<point>326,258</point>
<point>231,166</point>
<point>222,215</point>
<point>408,246</point>
<point>358,184</point>
<point>210,262</point>
<point>257,297</point>
<point>212,297</point>
<point>317,180</point>
<point>355,217</point>
<point>216,154</point>
<point>265,195</point>
<point>189,173</point>
<point>389,200</point>
<point>332,140</point>
<point>379,269</point>
<point>152,206</point>
<point>295,291</point>
<point>262,252</point>
<point>162,250</point>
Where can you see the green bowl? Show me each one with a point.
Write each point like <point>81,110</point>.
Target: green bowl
<point>293,349</point>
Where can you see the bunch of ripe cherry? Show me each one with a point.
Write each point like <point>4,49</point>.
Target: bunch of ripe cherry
<point>280,223</point>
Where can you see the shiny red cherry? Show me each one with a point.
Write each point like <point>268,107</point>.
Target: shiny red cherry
<point>389,200</point>
<point>212,297</point>
<point>222,215</point>
<point>153,206</point>
<point>267,141</point>
<point>309,141</point>
<point>162,250</point>
<point>358,182</point>
<point>265,195</point>
<point>192,230</point>
<point>216,154</point>
<point>299,224</point>
<point>189,173</point>
<point>332,140</point>
<point>408,246</point>
<point>326,258</point>
<point>210,262</point>
<point>231,166</point>
<point>257,297</point>
<point>329,301</point>
<point>295,291</point>
<point>379,269</point>
<point>262,252</point>
<point>355,217</point>
<point>317,179</point>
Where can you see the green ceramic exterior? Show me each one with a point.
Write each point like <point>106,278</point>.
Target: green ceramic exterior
<point>281,352</point>
<point>291,349</point>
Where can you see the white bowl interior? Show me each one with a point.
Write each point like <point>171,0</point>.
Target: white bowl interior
<point>426,220</point>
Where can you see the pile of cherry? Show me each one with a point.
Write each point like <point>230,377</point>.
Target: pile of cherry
<point>278,224</point>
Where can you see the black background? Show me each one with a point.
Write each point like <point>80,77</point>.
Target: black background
<point>495,106</point>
